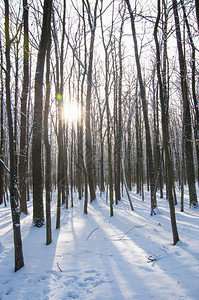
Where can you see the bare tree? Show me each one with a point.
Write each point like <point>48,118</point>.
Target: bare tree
<point>118,141</point>
<point>23,125</point>
<point>165,131</point>
<point>92,18</point>
<point>19,262</point>
<point>145,110</point>
<point>197,11</point>
<point>47,148</point>
<point>1,128</point>
<point>38,211</point>
<point>107,52</point>
<point>193,79</point>
<point>186,110</point>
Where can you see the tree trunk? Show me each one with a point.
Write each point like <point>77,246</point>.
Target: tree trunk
<point>145,112</point>
<point>47,149</point>
<point>2,129</point>
<point>182,172</point>
<point>19,262</point>
<point>119,123</point>
<point>89,154</point>
<point>186,111</point>
<point>197,11</point>
<point>129,169</point>
<point>23,125</point>
<point>102,187</point>
<point>16,54</point>
<point>107,82</point>
<point>38,211</point>
<point>165,131</point>
<point>64,170</point>
<point>193,81</point>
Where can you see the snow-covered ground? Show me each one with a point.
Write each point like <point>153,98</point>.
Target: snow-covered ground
<point>128,256</point>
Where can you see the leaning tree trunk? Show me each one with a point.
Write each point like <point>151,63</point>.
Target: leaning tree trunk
<point>186,110</point>
<point>38,210</point>
<point>19,262</point>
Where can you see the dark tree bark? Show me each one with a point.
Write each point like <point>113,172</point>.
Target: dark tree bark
<point>48,149</point>
<point>89,154</point>
<point>23,124</point>
<point>102,187</point>
<point>119,123</point>
<point>38,211</point>
<point>59,99</point>
<point>1,129</point>
<point>60,104</point>
<point>81,134</point>
<point>139,151</point>
<point>110,170</point>
<point>64,172</point>
<point>107,86</point>
<point>79,165</point>
<point>16,93</point>
<point>145,111</point>
<point>182,172</point>
<point>129,168</point>
<point>193,80</point>
<point>186,110</point>
<point>19,262</point>
<point>165,131</point>
<point>197,11</point>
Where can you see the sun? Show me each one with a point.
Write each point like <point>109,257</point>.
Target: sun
<point>71,112</point>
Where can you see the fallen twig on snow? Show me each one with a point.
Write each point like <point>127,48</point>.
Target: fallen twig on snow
<point>151,258</point>
<point>59,267</point>
<point>138,226</point>
<point>92,232</point>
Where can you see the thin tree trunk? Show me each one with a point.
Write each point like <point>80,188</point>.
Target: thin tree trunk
<point>23,125</point>
<point>165,131</point>
<point>102,187</point>
<point>197,11</point>
<point>71,166</point>
<point>119,123</point>
<point>2,128</point>
<point>48,149</point>
<point>145,112</point>
<point>64,170</point>
<point>182,172</point>
<point>186,109</point>
<point>86,196</point>
<point>89,154</point>
<point>16,107</point>
<point>19,262</point>
<point>129,169</point>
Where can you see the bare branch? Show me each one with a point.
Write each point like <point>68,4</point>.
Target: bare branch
<point>8,170</point>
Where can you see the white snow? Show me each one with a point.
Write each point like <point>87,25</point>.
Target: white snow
<point>128,256</point>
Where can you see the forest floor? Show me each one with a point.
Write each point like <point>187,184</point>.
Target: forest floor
<point>95,256</point>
